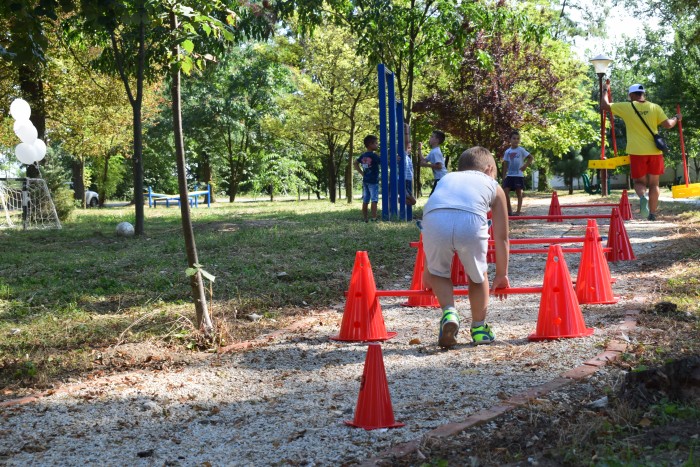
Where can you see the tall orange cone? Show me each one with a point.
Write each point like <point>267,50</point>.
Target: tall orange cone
<point>362,318</point>
<point>625,208</point>
<point>459,277</point>
<point>554,208</point>
<point>374,410</point>
<point>593,283</point>
<point>560,314</point>
<point>618,239</point>
<point>417,282</point>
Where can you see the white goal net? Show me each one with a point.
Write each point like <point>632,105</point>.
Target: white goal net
<point>25,203</point>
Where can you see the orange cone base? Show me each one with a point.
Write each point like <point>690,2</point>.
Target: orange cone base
<point>368,428</point>
<point>389,335</point>
<point>534,337</point>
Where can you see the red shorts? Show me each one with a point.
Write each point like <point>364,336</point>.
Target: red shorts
<point>641,166</point>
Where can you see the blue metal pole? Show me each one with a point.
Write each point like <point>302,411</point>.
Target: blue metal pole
<point>393,173</point>
<point>209,195</point>
<point>401,161</point>
<point>381,75</point>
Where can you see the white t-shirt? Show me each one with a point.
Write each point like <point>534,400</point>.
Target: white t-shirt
<point>435,156</point>
<point>515,159</point>
<point>468,190</point>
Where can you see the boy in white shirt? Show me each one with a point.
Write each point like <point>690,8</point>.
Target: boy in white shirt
<point>515,160</point>
<point>455,220</point>
<point>435,160</point>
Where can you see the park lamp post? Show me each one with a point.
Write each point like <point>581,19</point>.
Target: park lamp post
<point>600,64</point>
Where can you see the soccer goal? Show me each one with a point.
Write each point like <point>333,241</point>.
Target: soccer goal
<point>26,203</point>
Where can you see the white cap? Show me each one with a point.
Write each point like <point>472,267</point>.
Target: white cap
<point>636,88</point>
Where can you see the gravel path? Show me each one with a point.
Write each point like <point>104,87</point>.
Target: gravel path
<point>285,402</point>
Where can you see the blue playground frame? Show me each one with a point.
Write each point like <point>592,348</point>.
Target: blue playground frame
<point>391,141</point>
<point>193,197</point>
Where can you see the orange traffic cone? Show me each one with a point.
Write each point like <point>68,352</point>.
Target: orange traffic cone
<point>362,318</point>
<point>554,209</point>
<point>560,314</point>
<point>593,283</point>
<point>625,208</point>
<point>459,277</point>
<point>373,410</point>
<point>618,239</point>
<point>417,282</point>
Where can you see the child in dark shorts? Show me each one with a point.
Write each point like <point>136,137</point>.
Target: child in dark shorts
<point>515,160</point>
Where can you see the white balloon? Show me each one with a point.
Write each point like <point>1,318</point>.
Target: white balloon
<point>40,148</point>
<point>27,132</point>
<point>25,153</point>
<point>19,123</point>
<point>20,110</point>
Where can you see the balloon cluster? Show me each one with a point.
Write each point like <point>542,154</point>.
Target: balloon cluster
<point>31,149</point>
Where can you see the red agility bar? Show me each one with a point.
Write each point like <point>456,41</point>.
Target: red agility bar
<point>534,241</point>
<point>578,216</point>
<point>419,293</point>
<point>589,205</point>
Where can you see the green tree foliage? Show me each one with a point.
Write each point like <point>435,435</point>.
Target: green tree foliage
<point>505,80</point>
<point>571,166</point>
<point>334,107</point>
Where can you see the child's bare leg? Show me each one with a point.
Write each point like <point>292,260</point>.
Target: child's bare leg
<point>441,287</point>
<point>478,299</point>
<point>374,210</point>
<point>364,211</point>
<point>519,192</point>
<point>510,209</point>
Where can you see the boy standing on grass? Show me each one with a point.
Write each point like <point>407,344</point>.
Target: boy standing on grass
<point>515,160</point>
<point>368,165</point>
<point>435,160</point>
<point>454,220</point>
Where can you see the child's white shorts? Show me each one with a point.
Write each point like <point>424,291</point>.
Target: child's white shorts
<point>448,230</point>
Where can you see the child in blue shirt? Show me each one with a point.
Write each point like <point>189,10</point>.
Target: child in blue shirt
<point>368,165</point>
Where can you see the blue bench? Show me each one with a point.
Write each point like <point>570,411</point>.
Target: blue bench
<point>193,197</point>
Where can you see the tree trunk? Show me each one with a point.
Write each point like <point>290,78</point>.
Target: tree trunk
<point>542,184</point>
<point>200,299</point>
<point>101,193</point>
<point>77,171</point>
<point>331,176</point>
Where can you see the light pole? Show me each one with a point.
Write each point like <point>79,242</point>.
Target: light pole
<point>600,64</point>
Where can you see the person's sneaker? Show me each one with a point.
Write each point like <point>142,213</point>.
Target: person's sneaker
<point>374,219</point>
<point>449,327</point>
<point>644,206</point>
<point>651,217</point>
<point>483,335</point>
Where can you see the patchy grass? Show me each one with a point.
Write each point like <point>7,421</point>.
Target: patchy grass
<point>65,293</point>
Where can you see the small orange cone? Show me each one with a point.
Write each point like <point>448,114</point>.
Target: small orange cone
<point>362,318</point>
<point>618,240</point>
<point>554,209</point>
<point>417,282</point>
<point>459,277</point>
<point>625,208</point>
<point>593,283</point>
<point>374,410</point>
<point>560,314</point>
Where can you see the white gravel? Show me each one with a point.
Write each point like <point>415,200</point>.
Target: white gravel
<point>285,403</point>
